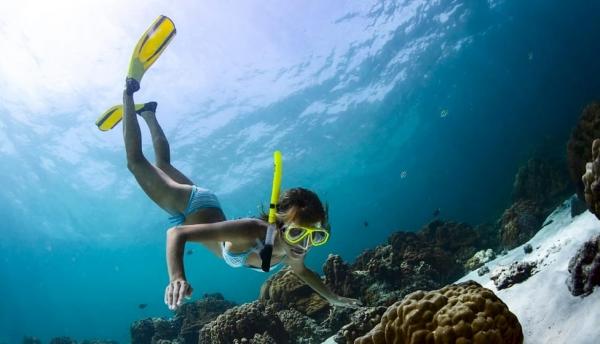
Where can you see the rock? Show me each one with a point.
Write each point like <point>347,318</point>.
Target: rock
<point>480,258</point>
<point>579,147</point>
<point>577,206</point>
<point>528,248</point>
<point>584,268</point>
<point>542,181</point>
<point>483,270</point>
<point>517,272</point>
<point>591,180</point>
<point>466,311</point>
<point>520,223</point>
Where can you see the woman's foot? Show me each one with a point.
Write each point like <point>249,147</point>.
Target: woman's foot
<point>148,110</point>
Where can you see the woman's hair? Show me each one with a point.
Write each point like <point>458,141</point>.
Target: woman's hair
<point>300,205</point>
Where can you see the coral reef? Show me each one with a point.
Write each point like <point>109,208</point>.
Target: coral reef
<point>153,329</point>
<point>242,323</point>
<point>584,268</point>
<point>579,147</point>
<point>461,313</point>
<point>539,187</point>
<point>285,290</point>
<point>517,272</point>
<point>520,222</point>
<point>302,329</point>
<point>258,338</point>
<point>361,322</point>
<point>186,325</point>
<point>193,316</point>
<point>340,278</point>
<point>591,180</point>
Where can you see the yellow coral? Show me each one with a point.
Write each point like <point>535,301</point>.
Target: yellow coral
<point>460,313</point>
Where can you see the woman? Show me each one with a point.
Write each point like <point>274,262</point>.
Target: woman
<point>197,215</point>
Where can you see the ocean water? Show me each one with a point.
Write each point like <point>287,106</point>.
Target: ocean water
<point>388,110</point>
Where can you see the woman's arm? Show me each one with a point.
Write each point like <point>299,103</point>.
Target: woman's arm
<point>314,281</point>
<point>237,230</point>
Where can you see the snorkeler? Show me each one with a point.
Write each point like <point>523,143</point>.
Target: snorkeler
<point>197,215</point>
<point>297,220</point>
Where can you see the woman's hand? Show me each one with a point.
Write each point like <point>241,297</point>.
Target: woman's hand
<point>176,291</point>
<point>341,301</point>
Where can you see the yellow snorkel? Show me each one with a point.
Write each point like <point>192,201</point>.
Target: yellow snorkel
<point>267,250</point>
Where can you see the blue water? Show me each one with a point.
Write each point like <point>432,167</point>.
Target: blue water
<point>388,110</point>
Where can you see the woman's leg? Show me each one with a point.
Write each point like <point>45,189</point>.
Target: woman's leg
<point>161,149</point>
<point>162,189</point>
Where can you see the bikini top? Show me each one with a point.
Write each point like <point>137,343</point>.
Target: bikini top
<point>237,260</point>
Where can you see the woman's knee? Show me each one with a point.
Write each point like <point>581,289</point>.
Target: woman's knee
<point>136,162</point>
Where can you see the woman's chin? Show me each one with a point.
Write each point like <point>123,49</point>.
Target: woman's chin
<point>297,252</point>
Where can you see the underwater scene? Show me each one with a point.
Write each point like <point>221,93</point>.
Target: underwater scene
<point>299,172</point>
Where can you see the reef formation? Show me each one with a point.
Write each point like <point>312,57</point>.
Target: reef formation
<point>405,280</point>
<point>460,313</point>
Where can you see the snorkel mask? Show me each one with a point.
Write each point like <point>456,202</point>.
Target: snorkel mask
<point>295,234</point>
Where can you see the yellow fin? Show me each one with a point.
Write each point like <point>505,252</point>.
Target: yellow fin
<point>111,117</point>
<point>152,43</point>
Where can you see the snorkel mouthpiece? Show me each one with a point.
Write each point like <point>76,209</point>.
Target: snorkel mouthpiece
<point>267,251</point>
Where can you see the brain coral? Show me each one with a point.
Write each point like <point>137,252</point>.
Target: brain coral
<point>459,313</point>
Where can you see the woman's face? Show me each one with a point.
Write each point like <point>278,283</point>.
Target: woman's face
<point>297,250</point>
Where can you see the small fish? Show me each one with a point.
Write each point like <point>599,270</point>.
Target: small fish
<point>189,252</point>
<point>436,212</point>
<point>142,305</point>
<point>366,224</point>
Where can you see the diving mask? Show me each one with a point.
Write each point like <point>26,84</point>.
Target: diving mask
<point>295,234</point>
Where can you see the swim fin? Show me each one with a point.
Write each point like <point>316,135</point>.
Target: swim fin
<point>111,117</point>
<point>152,43</point>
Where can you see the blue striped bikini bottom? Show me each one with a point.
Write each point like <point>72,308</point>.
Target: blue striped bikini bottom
<point>199,198</point>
